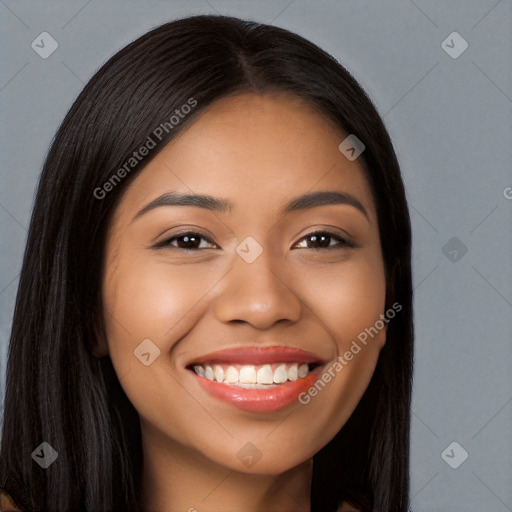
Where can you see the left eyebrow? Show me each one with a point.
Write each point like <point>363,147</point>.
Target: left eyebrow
<point>324,198</point>
<point>304,202</point>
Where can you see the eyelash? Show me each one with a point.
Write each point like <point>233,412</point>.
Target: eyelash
<point>342,242</point>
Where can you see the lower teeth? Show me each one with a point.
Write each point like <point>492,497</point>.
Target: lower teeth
<point>251,386</point>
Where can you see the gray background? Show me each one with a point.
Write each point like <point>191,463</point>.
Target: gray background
<point>450,123</point>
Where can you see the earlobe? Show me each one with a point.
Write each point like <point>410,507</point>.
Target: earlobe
<point>99,349</point>
<point>98,345</point>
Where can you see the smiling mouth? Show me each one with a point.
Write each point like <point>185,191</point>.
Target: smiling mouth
<point>257,379</point>
<point>262,376</point>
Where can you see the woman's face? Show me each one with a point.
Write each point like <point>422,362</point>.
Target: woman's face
<point>266,284</point>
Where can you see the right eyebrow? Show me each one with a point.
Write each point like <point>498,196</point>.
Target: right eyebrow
<point>176,199</point>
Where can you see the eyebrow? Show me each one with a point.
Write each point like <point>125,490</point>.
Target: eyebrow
<point>304,202</point>
<point>314,199</point>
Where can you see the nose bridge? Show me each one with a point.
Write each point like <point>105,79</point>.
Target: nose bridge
<point>255,291</point>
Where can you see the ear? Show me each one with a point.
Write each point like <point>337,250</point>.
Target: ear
<point>391,278</point>
<point>98,345</point>
<point>99,348</point>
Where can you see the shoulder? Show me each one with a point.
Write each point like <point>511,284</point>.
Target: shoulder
<point>346,506</point>
<point>7,503</point>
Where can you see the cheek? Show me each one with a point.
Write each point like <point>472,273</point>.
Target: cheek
<point>152,298</point>
<point>349,300</point>
<point>155,301</point>
<point>349,303</point>
<point>159,302</point>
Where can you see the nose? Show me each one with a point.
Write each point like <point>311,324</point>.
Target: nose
<point>256,294</point>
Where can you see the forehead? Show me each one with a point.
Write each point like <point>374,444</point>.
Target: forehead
<point>254,149</point>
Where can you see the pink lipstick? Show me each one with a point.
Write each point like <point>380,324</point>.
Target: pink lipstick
<point>257,379</point>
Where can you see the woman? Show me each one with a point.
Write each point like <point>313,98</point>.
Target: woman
<point>214,311</point>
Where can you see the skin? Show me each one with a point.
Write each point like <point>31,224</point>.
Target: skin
<point>258,152</point>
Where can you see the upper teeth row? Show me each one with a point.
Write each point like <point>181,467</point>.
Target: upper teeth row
<point>250,374</point>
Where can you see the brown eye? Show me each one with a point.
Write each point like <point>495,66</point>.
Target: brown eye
<point>189,241</point>
<point>323,240</point>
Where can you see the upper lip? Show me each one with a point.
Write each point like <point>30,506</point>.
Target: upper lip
<point>259,355</point>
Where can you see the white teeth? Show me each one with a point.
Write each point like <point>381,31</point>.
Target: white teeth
<point>218,373</point>
<point>280,374</point>
<point>208,372</point>
<point>253,376</point>
<point>265,375</point>
<point>199,370</point>
<point>303,370</point>
<point>247,375</point>
<point>231,375</point>
<point>293,372</point>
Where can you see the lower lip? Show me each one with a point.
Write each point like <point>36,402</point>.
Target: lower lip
<point>260,400</point>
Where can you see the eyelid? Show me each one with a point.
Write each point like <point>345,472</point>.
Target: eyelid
<point>344,240</point>
<point>166,241</point>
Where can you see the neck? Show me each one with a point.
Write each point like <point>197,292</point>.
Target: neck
<point>180,479</point>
